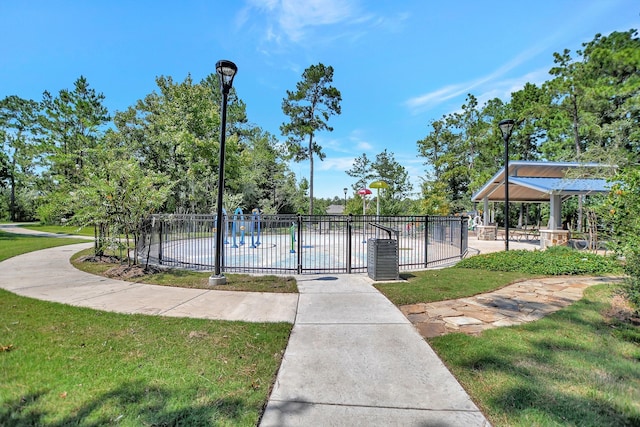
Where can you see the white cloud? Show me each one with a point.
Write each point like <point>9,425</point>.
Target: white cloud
<point>504,88</point>
<point>493,82</point>
<point>339,164</point>
<point>292,19</point>
<point>427,100</point>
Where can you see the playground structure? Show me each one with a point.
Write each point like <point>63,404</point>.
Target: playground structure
<point>297,244</point>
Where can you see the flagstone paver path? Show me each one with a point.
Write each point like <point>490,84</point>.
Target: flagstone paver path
<point>521,302</point>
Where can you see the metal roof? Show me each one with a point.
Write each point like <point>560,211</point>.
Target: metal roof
<point>537,181</point>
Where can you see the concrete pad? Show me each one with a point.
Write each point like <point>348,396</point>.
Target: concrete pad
<point>384,366</point>
<point>347,308</point>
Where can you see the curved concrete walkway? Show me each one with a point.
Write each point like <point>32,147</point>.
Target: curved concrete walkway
<point>48,275</point>
<point>352,359</point>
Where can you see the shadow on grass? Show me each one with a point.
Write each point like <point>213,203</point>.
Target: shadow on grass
<point>538,404</point>
<point>574,367</point>
<point>133,402</point>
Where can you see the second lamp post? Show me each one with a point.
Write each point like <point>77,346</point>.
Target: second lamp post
<point>506,127</point>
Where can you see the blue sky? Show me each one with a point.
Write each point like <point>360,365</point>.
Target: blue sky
<point>399,64</point>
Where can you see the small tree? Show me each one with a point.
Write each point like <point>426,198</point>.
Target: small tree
<point>309,109</point>
<point>119,193</point>
<point>624,202</point>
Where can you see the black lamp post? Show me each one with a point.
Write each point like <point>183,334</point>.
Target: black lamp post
<point>345,189</point>
<point>506,127</point>
<point>226,72</point>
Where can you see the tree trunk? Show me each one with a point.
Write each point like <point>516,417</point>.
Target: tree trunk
<point>311,174</point>
<point>12,206</point>
<point>576,140</point>
<point>520,215</point>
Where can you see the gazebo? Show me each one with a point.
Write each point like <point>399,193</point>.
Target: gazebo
<point>538,182</point>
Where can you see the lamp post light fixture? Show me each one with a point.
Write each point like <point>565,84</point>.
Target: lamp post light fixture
<point>226,72</point>
<point>506,127</point>
<point>345,189</point>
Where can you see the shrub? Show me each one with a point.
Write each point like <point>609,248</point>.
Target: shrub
<point>554,261</point>
<point>623,204</point>
<point>631,286</point>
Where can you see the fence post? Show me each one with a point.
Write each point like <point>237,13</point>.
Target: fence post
<point>462,228</point>
<point>299,219</point>
<point>464,237</point>
<point>159,241</point>
<point>426,241</point>
<point>349,243</point>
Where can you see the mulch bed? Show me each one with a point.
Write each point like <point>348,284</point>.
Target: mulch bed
<point>121,271</point>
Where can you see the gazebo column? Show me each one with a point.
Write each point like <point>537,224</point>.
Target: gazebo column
<point>554,235</point>
<point>555,212</point>
<point>486,218</point>
<point>487,231</point>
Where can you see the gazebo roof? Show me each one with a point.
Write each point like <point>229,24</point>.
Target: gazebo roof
<point>537,181</point>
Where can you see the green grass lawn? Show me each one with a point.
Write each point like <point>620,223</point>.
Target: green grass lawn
<point>575,367</point>
<point>59,229</point>
<point>15,244</point>
<point>63,365</point>
<point>447,283</point>
<point>579,366</point>
<point>66,365</point>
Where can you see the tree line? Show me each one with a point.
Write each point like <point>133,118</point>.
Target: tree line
<point>587,111</point>
<point>66,157</point>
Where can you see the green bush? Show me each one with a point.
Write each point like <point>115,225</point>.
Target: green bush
<point>631,286</point>
<point>554,261</point>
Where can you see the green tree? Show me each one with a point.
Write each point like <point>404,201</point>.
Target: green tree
<point>452,151</point>
<point>387,169</point>
<point>309,108</point>
<point>117,193</point>
<point>175,132</point>
<point>18,119</point>
<point>434,200</point>
<point>613,65</point>
<point>72,125</point>
<point>264,182</point>
<point>361,169</point>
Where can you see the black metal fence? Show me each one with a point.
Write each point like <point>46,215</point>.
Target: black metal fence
<point>298,244</point>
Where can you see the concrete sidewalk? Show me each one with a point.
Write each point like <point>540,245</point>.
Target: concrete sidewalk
<point>352,359</point>
<point>48,275</point>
